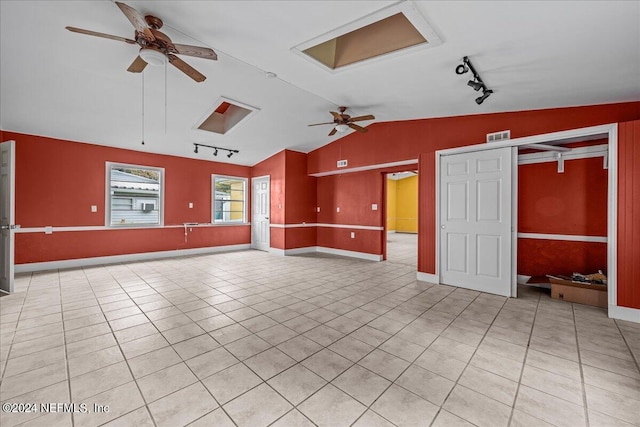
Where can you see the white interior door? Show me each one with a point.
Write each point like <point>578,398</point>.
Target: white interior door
<point>260,232</point>
<point>7,213</point>
<point>475,220</point>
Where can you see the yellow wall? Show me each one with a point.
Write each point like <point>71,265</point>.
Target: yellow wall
<point>237,193</point>
<point>406,206</point>
<point>391,204</point>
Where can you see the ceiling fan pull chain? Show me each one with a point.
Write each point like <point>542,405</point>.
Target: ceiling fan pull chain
<point>165,98</point>
<point>142,108</point>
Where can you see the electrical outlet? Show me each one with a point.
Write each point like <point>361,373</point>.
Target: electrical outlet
<point>94,208</point>
<point>374,207</point>
<point>48,229</point>
<point>318,209</point>
<point>353,234</point>
<point>338,209</point>
<point>190,205</point>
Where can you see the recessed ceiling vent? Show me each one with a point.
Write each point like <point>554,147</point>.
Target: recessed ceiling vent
<point>499,136</point>
<point>395,29</point>
<point>225,116</point>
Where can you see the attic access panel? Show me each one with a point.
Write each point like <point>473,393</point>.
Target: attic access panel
<point>225,116</point>
<point>395,29</point>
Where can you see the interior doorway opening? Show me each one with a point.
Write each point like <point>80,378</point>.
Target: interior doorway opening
<point>401,212</point>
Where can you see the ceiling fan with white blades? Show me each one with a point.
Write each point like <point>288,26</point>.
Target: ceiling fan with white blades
<point>342,122</point>
<point>156,48</point>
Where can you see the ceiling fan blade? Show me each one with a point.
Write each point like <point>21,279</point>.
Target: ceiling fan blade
<point>336,115</point>
<point>361,118</point>
<point>318,124</point>
<point>137,65</point>
<point>137,20</point>
<point>197,51</point>
<point>333,132</point>
<point>356,127</point>
<point>186,68</point>
<point>103,35</point>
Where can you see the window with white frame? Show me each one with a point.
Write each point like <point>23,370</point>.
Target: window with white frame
<point>229,199</point>
<point>134,195</point>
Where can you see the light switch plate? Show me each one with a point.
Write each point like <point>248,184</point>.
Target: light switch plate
<point>353,234</point>
<point>94,208</point>
<point>374,207</point>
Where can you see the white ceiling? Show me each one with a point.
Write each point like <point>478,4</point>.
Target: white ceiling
<point>534,54</point>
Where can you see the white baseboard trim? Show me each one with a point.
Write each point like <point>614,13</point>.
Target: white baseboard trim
<point>322,249</point>
<point>427,277</point>
<point>624,313</point>
<point>298,251</point>
<point>352,254</point>
<point>114,259</point>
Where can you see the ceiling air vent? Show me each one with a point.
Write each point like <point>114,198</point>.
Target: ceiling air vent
<point>499,136</point>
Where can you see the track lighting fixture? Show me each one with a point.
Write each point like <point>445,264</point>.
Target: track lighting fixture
<point>215,149</point>
<point>485,95</point>
<point>477,82</point>
<point>475,85</point>
<point>462,68</point>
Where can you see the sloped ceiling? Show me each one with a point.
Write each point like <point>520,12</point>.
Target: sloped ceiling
<point>534,54</point>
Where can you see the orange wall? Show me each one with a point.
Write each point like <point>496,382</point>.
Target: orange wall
<point>293,198</point>
<point>394,141</point>
<point>57,181</point>
<point>301,197</point>
<point>353,193</point>
<point>629,214</point>
<point>573,203</point>
<point>274,166</point>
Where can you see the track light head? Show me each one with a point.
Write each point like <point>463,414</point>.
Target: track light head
<point>475,85</point>
<point>195,150</point>
<point>215,151</point>
<point>485,95</point>
<point>230,154</point>
<point>461,69</point>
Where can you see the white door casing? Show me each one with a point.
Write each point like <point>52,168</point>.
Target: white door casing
<point>7,214</point>
<point>260,212</point>
<point>476,220</point>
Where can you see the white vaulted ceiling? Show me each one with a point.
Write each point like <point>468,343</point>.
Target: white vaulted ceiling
<point>533,54</point>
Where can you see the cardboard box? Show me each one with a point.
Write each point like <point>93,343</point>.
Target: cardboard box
<point>581,293</point>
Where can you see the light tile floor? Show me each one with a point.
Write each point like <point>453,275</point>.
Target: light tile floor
<point>252,339</point>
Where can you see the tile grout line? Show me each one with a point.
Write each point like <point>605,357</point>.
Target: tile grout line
<point>64,341</point>
<point>582,383</point>
<point>524,362</point>
<point>624,338</point>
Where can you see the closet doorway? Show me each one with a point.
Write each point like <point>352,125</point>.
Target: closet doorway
<point>558,145</point>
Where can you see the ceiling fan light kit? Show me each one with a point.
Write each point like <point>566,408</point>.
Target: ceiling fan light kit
<point>342,128</point>
<point>477,83</point>
<point>152,56</point>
